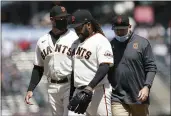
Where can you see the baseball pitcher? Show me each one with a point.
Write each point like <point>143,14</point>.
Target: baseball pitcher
<point>53,59</point>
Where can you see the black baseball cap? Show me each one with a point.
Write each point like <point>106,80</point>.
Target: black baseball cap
<point>58,11</point>
<point>120,22</point>
<point>80,17</point>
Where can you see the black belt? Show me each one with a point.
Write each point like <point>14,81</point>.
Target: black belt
<point>82,87</point>
<point>59,81</point>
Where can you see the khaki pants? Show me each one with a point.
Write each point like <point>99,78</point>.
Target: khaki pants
<point>119,109</point>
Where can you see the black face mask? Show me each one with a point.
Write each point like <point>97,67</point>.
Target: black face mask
<point>61,24</point>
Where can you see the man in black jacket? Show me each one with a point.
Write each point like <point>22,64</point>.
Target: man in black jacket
<point>133,72</point>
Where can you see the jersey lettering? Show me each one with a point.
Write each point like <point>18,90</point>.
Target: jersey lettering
<point>69,53</point>
<point>44,52</point>
<point>49,50</point>
<point>82,52</point>
<point>59,48</point>
<point>79,51</point>
<point>64,49</point>
<point>43,56</point>
<point>73,52</point>
<point>88,54</point>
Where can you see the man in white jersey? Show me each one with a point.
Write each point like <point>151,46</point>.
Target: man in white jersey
<point>53,59</point>
<point>91,61</point>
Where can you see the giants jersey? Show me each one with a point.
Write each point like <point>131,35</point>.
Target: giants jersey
<point>88,56</point>
<point>56,59</point>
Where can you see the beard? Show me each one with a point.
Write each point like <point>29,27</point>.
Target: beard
<point>83,35</point>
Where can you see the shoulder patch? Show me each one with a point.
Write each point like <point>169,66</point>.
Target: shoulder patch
<point>108,54</point>
<point>135,45</point>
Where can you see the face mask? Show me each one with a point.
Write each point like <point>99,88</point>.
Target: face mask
<point>61,24</point>
<point>122,38</point>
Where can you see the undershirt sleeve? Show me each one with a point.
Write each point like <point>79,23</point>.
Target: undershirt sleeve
<point>36,76</point>
<point>100,74</point>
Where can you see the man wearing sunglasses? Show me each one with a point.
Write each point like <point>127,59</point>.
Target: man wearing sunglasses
<point>53,59</point>
<point>91,61</point>
<point>133,72</point>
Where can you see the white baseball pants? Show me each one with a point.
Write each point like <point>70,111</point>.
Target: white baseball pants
<point>58,97</point>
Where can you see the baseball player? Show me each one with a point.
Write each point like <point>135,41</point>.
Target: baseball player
<point>91,61</point>
<point>53,59</point>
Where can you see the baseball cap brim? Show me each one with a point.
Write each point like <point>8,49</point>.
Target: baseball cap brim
<point>75,25</point>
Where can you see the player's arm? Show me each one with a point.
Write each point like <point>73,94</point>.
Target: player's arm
<point>37,71</point>
<point>100,74</point>
<point>110,76</point>
<point>105,60</point>
<point>36,76</point>
<point>72,88</point>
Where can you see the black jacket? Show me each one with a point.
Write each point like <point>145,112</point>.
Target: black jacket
<point>133,59</point>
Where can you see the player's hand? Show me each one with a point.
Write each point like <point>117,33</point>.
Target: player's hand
<point>28,96</point>
<point>143,94</point>
<point>89,88</point>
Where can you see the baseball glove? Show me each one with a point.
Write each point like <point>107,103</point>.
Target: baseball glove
<point>80,101</point>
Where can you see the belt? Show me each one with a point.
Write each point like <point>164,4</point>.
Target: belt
<point>82,87</point>
<point>59,81</point>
